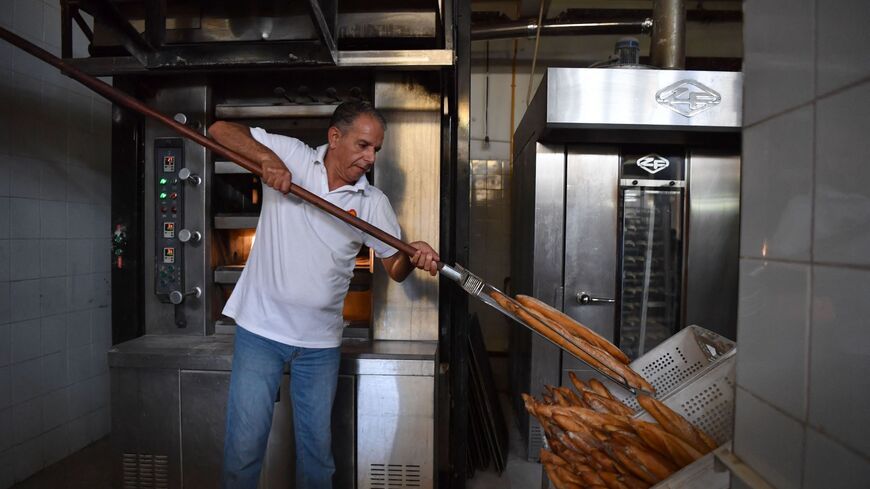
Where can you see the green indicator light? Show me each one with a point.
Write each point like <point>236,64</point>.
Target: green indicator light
<point>162,181</point>
<point>162,195</point>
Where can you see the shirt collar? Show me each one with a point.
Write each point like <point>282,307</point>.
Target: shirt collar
<point>361,185</point>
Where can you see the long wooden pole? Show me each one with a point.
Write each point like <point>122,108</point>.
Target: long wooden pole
<point>131,103</point>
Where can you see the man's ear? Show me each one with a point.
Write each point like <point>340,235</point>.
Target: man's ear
<point>332,136</point>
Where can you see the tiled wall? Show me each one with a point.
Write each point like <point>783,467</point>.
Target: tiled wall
<point>803,368</point>
<point>55,322</point>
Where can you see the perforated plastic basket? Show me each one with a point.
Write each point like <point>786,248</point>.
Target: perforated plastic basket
<point>675,362</point>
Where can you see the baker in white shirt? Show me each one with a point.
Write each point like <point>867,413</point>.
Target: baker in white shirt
<point>288,301</point>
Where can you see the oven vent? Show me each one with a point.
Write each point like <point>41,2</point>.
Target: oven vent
<point>536,440</point>
<point>394,475</point>
<point>145,471</point>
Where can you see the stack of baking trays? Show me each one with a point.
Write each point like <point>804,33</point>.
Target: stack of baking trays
<point>653,423</point>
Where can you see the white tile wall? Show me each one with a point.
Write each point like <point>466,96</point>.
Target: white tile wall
<point>777,187</point>
<point>778,62</point>
<point>842,37</point>
<point>54,236</point>
<point>842,194</point>
<point>832,465</point>
<point>770,426</point>
<point>768,441</point>
<point>839,380</point>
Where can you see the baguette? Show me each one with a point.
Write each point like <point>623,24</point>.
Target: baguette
<point>635,467</point>
<point>622,481</point>
<point>676,425</point>
<point>598,403</point>
<point>568,476</point>
<point>548,457</point>
<point>680,452</point>
<point>602,357</point>
<point>600,389</point>
<point>573,326</point>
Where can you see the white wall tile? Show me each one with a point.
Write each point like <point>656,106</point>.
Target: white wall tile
<point>25,299</point>
<point>53,257</point>
<point>80,222</point>
<point>51,25</point>
<point>102,329</point>
<point>53,219</point>
<point>28,458</point>
<point>27,420</point>
<point>4,216</point>
<point>54,296</point>
<point>81,292</point>
<point>768,441</point>
<point>842,206</point>
<point>55,444</point>
<point>80,256</point>
<point>5,348</point>
<point>98,424</point>
<point>839,384</point>
<point>7,464</point>
<point>23,218</point>
<point>52,183</point>
<point>25,175</point>
<point>5,386</point>
<point>5,260</point>
<point>7,439</point>
<point>55,410</point>
<point>53,333</point>
<point>777,186</point>
<point>26,378</point>
<point>829,465</point>
<point>102,289</point>
<point>80,366</point>
<point>27,19</point>
<point>79,325</point>
<point>102,255</point>
<point>25,259</point>
<point>79,433</point>
<point>778,61</point>
<point>6,9</point>
<point>26,340</point>
<point>5,309</point>
<point>54,371</point>
<point>79,396</point>
<point>842,32</point>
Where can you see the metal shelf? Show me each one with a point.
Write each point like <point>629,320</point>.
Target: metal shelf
<point>236,221</point>
<point>228,111</point>
<point>228,274</point>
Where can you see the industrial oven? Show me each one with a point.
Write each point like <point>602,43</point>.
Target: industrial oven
<point>199,217</point>
<point>625,212</point>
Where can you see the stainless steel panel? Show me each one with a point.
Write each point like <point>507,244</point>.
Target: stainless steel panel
<point>713,242</point>
<point>409,57</point>
<point>620,98</point>
<point>591,207</point>
<point>228,167</point>
<point>194,101</point>
<point>384,366</point>
<point>224,111</point>
<point>408,171</point>
<point>395,426</point>
<point>237,221</point>
<point>228,274</point>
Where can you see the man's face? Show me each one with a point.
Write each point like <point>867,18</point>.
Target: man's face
<point>354,150</point>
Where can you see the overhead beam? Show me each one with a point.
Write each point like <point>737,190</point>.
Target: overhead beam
<point>155,22</point>
<point>106,13</point>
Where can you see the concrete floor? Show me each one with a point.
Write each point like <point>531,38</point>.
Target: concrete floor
<point>90,468</point>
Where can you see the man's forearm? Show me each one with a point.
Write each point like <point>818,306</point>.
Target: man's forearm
<point>237,137</point>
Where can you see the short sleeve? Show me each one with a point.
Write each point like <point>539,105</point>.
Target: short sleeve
<point>383,217</point>
<point>291,150</point>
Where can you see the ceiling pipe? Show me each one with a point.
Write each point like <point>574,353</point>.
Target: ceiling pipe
<point>552,28</point>
<point>668,47</point>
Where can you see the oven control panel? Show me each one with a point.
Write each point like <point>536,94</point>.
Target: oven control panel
<point>168,216</point>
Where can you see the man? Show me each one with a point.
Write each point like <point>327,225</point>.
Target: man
<point>288,301</point>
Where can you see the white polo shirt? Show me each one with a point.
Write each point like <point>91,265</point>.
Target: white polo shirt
<point>293,286</point>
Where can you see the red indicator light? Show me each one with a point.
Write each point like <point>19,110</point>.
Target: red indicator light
<point>173,195</point>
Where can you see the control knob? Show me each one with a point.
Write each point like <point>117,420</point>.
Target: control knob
<point>177,297</point>
<point>186,235</point>
<point>187,176</point>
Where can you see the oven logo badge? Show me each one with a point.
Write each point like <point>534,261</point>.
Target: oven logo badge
<point>653,163</point>
<point>688,97</point>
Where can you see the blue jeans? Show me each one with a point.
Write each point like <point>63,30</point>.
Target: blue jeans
<point>258,364</point>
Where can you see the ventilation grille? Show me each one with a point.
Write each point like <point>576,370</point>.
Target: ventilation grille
<point>394,475</point>
<point>536,440</point>
<point>144,471</point>
<point>668,371</point>
<point>712,411</point>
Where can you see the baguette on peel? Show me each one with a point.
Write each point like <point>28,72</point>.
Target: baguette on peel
<point>600,389</point>
<point>609,405</point>
<point>573,326</point>
<point>676,425</point>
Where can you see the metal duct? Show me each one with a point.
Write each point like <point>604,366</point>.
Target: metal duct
<point>668,48</point>
<point>551,28</point>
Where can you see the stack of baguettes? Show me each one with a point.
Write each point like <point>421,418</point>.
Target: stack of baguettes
<point>596,443</point>
<point>573,337</point>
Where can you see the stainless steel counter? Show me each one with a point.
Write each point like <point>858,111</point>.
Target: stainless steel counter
<point>169,406</point>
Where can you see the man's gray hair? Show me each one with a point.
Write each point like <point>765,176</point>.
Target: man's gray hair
<point>347,112</point>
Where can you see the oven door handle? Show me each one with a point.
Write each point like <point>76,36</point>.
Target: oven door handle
<point>584,299</point>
